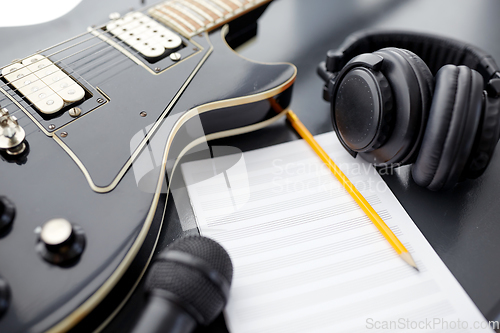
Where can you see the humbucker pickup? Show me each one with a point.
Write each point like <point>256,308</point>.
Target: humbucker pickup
<point>44,84</point>
<point>144,34</point>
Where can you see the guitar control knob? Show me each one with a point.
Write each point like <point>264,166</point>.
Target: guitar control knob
<point>11,134</point>
<point>4,296</point>
<point>7,213</point>
<point>60,242</point>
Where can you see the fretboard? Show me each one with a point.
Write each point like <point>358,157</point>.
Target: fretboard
<point>191,17</point>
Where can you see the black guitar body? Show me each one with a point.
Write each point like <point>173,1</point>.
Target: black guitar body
<point>108,171</point>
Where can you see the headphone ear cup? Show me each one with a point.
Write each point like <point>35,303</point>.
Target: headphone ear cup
<point>486,139</point>
<point>453,122</point>
<point>424,76</point>
<point>411,85</point>
<point>425,81</point>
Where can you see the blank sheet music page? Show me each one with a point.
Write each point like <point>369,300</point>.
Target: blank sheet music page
<point>307,259</point>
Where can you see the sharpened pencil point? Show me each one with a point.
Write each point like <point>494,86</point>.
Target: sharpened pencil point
<point>406,256</point>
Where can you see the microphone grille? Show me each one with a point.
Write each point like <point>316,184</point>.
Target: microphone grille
<point>189,283</point>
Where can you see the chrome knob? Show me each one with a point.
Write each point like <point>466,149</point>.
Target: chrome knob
<point>60,242</point>
<point>56,232</point>
<point>11,134</point>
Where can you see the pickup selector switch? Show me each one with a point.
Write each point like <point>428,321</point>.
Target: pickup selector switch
<point>4,296</point>
<point>7,213</point>
<point>60,242</point>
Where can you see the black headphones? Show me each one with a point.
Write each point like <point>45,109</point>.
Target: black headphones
<point>388,107</point>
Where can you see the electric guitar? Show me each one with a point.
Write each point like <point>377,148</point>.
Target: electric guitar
<point>92,131</point>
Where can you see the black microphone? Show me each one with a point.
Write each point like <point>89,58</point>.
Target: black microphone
<point>188,284</point>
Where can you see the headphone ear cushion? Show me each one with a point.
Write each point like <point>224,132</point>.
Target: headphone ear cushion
<point>424,75</point>
<point>486,139</point>
<point>453,122</point>
<point>411,85</point>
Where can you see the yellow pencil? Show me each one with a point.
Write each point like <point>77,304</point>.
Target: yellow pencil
<point>351,189</point>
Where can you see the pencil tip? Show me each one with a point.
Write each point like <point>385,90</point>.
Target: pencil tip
<point>406,256</point>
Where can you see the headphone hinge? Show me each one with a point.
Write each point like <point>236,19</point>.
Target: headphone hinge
<point>328,77</point>
<point>334,61</point>
<point>324,73</point>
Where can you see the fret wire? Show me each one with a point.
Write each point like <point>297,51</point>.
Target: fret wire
<point>179,19</point>
<point>180,14</point>
<point>204,9</point>
<point>215,6</point>
<point>230,5</point>
<point>198,10</point>
<point>169,20</point>
<point>209,8</point>
<point>237,3</point>
<point>222,5</point>
<point>177,25</point>
<point>186,11</point>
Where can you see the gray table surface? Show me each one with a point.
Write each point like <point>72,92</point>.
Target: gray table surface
<point>463,224</point>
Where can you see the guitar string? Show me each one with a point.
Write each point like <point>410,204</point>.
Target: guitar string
<point>73,71</point>
<point>69,64</point>
<point>59,44</point>
<point>56,45</point>
<point>94,29</point>
<point>120,41</point>
<point>73,38</point>
<point>88,70</point>
<point>111,47</point>
<point>69,47</point>
<point>57,62</point>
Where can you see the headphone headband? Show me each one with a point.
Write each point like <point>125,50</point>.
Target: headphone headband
<point>435,51</point>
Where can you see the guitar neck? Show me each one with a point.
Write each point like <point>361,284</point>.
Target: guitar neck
<point>191,17</point>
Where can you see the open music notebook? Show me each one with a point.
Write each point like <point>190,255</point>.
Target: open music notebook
<point>305,256</point>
